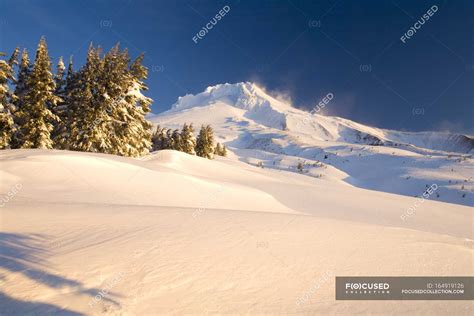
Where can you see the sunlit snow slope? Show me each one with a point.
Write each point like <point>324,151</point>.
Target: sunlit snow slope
<point>90,234</point>
<point>258,127</point>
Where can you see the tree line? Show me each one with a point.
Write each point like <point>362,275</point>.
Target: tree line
<point>185,141</point>
<point>98,108</point>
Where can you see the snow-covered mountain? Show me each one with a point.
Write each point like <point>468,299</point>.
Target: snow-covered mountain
<point>266,110</point>
<point>259,127</point>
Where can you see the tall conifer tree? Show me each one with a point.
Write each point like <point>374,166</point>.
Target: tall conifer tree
<point>131,108</point>
<point>39,100</point>
<point>88,129</point>
<point>24,70</point>
<point>7,124</point>
<point>61,133</point>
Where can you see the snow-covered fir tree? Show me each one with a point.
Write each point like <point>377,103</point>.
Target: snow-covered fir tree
<point>205,142</point>
<point>14,61</point>
<point>217,149</point>
<point>224,151</point>
<point>220,150</point>
<point>109,105</point>
<point>168,140</point>
<point>161,139</point>
<point>64,86</point>
<point>7,125</point>
<point>157,139</point>
<point>24,70</point>
<point>38,100</point>
<point>129,117</point>
<point>188,140</point>
<point>100,108</point>
<point>177,141</point>
<point>89,129</point>
<point>183,140</point>
<point>59,78</point>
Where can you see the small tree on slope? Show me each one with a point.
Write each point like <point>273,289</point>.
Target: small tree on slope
<point>220,150</point>
<point>224,151</point>
<point>188,139</point>
<point>157,139</point>
<point>177,141</point>
<point>205,142</point>
<point>168,140</point>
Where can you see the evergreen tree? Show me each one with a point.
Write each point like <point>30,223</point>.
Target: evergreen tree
<point>7,125</point>
<point>14,61</point>
<point>177,141</point>
<point>114,109</point>
<point>220,150</point>
<point>168,140</point>
<point>39,99</point>
<point>89,129</point>
<point>188,139</point>
<point>59,78</point>
<point>160,139</point>
<point>64,88</point>
<point>58,110</point>
<point>174,139</point>
<point>205,142</point>
<point>224,151</point>
<point>132,109</point>
<point>23,74</point>
<point>70,73</point>
<point>24,70</point>
<point>114,83</point>
<point>199,149</point>
<point>157,139</point>
<point>100,108</point>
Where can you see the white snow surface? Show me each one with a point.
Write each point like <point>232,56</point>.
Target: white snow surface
<point>258,127</point>
<point>176,234</point>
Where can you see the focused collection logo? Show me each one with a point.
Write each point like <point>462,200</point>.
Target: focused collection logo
<point>367,288</point>
<point>404,288</point>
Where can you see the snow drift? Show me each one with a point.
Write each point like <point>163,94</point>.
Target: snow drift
<point>173,233</point>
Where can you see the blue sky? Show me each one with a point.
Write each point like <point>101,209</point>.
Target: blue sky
<point>304,49</point>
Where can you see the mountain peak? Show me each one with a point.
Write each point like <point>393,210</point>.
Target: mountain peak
<point>255,105</point>
<point>243,95</point>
